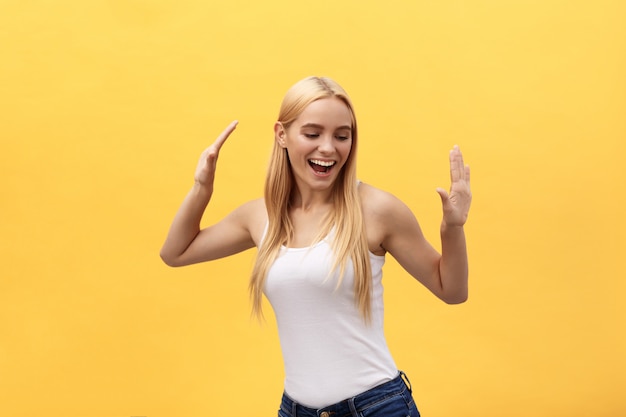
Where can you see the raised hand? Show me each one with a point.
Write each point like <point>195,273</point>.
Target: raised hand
<point>205,171</point>
<point>457,202</point>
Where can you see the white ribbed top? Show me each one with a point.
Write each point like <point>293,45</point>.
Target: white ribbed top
<point>330,353</point>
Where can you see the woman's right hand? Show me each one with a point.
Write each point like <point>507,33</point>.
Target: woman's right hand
<point>205,171</point>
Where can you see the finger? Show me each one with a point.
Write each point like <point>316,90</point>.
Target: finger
<point>224,135</point>
<point>457,166</point>
<point>467,173</point>
<point>455,172</point>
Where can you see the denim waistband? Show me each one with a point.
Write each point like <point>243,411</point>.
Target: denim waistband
<point>350,407</point>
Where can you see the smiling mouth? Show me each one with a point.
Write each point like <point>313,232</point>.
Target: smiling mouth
<point>321,166</point>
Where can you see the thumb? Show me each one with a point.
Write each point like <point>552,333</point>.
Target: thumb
<point>444,195</point>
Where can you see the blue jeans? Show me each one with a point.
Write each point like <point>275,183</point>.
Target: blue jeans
<point>391,399</point>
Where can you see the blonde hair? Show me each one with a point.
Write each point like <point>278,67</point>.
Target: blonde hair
<point>350,241</point>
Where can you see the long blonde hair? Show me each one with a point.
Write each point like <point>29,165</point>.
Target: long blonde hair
<point>350,241</point>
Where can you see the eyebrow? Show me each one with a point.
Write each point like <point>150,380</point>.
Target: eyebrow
<point>316,126</point>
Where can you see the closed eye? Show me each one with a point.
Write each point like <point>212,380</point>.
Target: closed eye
<point>312,135</point>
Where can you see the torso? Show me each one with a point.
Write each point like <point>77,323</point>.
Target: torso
<point>307,304</point>
<point>330,353</point>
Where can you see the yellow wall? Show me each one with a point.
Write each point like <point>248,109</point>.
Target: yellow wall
<point>106,105</point>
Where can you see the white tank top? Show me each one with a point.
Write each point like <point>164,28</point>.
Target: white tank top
<point>329,352</point>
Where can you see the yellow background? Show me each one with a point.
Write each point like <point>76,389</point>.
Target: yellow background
<point>106,105</point>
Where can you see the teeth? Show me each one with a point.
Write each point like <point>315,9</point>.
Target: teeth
<point>322,163</point>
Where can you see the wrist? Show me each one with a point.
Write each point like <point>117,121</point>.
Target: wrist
<point>453,221</point>
<point>449,227</point>
<point>202,190</point>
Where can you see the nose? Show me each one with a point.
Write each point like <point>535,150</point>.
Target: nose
<point>326,145</point>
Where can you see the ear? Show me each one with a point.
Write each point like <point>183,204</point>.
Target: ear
<point>280,134</point>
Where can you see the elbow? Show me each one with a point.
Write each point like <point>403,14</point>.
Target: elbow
<point>459,298</point>
<point>456,300</point>
<point>169,260</point>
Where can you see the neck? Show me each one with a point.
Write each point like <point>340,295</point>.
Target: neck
<point>310,200</point>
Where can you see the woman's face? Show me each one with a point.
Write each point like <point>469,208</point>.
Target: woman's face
<point>318,142</point>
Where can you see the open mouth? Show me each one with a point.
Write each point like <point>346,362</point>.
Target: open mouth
<point>322,167</point>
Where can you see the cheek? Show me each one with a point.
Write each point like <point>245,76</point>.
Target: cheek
<point>346,148</point>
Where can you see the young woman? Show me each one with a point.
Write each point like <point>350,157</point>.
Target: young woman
<point>322,237</point>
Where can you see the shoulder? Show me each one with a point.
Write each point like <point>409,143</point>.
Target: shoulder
<point>384,215</point>
<point>378,203</point>
<point>252,215</point>
<point>254,207</point>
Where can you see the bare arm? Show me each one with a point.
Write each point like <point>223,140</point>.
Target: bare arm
<point>186,243</point>
<point>445,274</point>
<point>453,266</point>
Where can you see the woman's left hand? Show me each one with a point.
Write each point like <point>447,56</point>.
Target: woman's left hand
<point>457,202</point>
